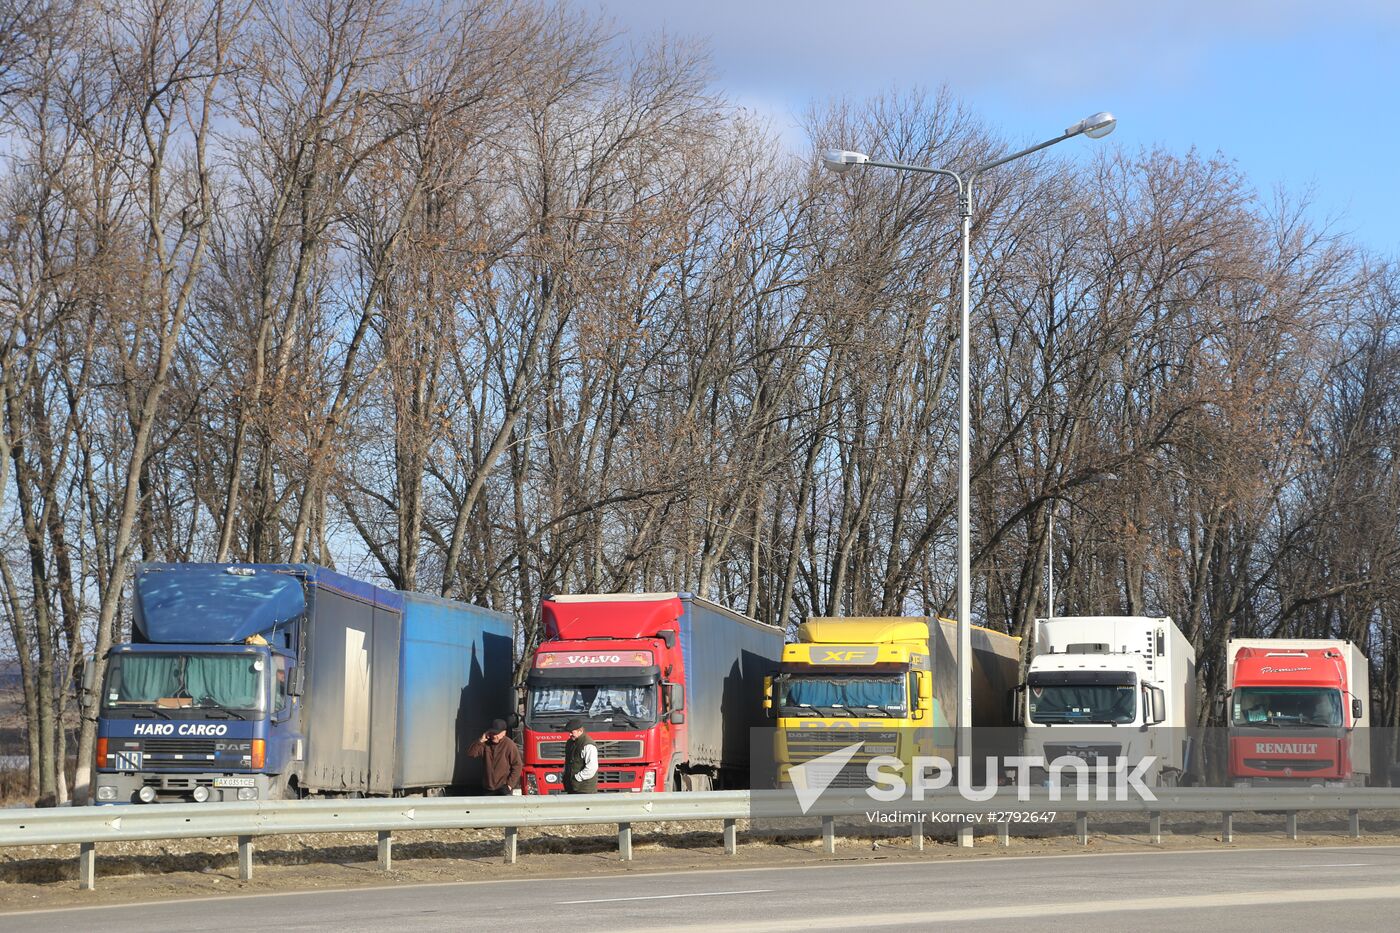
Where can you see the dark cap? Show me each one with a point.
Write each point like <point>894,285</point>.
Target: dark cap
<point>497,725</point>
<point>573,724</point>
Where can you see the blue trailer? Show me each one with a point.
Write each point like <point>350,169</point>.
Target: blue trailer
<point>272,681</point>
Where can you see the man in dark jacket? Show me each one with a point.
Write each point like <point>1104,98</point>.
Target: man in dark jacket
<point>502,759</point>
<point>580,760</point>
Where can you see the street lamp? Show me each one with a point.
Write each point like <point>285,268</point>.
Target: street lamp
<point>1050,535</point>
<point>842,161</point>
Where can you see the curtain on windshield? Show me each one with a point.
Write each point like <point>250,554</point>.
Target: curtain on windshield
<point>227,680</point>
<point>556,700</point>
<point>844,693</point>
<point>631,700</point>
<point>147,679</point>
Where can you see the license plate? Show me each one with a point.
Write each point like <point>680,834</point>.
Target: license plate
<point>233,782</point>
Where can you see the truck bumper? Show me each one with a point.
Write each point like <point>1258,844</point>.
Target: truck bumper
<point>125,787</point>
<point>1310,781</point>
<point>611,780</point>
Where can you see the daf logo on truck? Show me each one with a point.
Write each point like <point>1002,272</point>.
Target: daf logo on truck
<point>184,728</point>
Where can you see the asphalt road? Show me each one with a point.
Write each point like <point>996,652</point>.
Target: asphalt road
<point>1256,889</point>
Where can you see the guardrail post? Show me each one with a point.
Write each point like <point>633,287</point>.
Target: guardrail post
<point>245,858</point>
<point>731,837</point>
<point>1154,827</point>
<point>386,850</point>
<point>1354,823</point>
<point>1227,827</point>
<point>512,835</point>
<point>965,835</point>
<point>624,841</point>
<point>829,835</point>
<point>1081,827</point>
<point>1003,833</point>
<point>918,836</point>
<point>1290,825</point>
<point>87,866</point>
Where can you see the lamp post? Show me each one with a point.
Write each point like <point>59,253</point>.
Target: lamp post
<point>842,161</point>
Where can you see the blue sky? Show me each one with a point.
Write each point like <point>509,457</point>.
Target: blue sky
<point>1299,94</point>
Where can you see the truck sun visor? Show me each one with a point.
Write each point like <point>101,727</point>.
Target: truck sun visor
<point>1102,678</point>
<point>596,675</point>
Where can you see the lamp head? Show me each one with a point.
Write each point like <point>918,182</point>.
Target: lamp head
<point>842,161</point>
<point>1096,127</point>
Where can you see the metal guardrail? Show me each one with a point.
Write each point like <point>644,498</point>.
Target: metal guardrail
<point>89,826</point>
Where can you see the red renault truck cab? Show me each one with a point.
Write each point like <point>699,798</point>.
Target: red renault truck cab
<point>667,684</point>
<point>1297,713</point>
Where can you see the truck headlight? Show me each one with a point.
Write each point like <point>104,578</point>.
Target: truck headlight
<point>106,792</point>
<point>551,778</point>
<point>532,786</point>
<point>247,793</point>
<point>649,782</point>
<point>201,794</point>
<point>147,794</point>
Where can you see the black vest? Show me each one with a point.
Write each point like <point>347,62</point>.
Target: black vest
<point>573,764</point>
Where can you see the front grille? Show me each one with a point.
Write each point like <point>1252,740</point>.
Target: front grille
<point>619,748</point>
<point>1092,754</point>
<point>608,749</point>
<point>837,737</point>
<point>177,747</point>
<point>177,750</point>
<point>1291,764</point>
<point>804,744</point>
<point>616,777</point>
<point>852,775</point>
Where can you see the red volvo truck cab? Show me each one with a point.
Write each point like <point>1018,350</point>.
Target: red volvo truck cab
<point>668,684</point>
<point>1297,712</point>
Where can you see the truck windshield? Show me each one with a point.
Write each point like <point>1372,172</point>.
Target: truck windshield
<point>1083,703</point>
<point>881,695</point>
<point>185,681</point>
<point>1293,706</point>
<point>634,704</point>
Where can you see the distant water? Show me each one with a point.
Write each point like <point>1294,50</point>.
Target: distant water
<point>8,762</point>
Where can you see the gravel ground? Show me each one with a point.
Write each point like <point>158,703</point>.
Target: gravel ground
<point>46,876</point>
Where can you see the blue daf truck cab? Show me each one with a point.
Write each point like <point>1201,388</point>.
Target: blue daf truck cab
<point>272,681</point>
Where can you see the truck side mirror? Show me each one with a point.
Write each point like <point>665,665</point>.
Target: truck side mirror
<point>668,637</point>
<point>294,681</point>
<point>768,695</point>
<point>1016,696</point>
<point>676,718</point>
<point>1356,708</point>
<point>87,694</point>
<point>675,697</point>
<point>920,688</point>
<point>1159,704</point>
